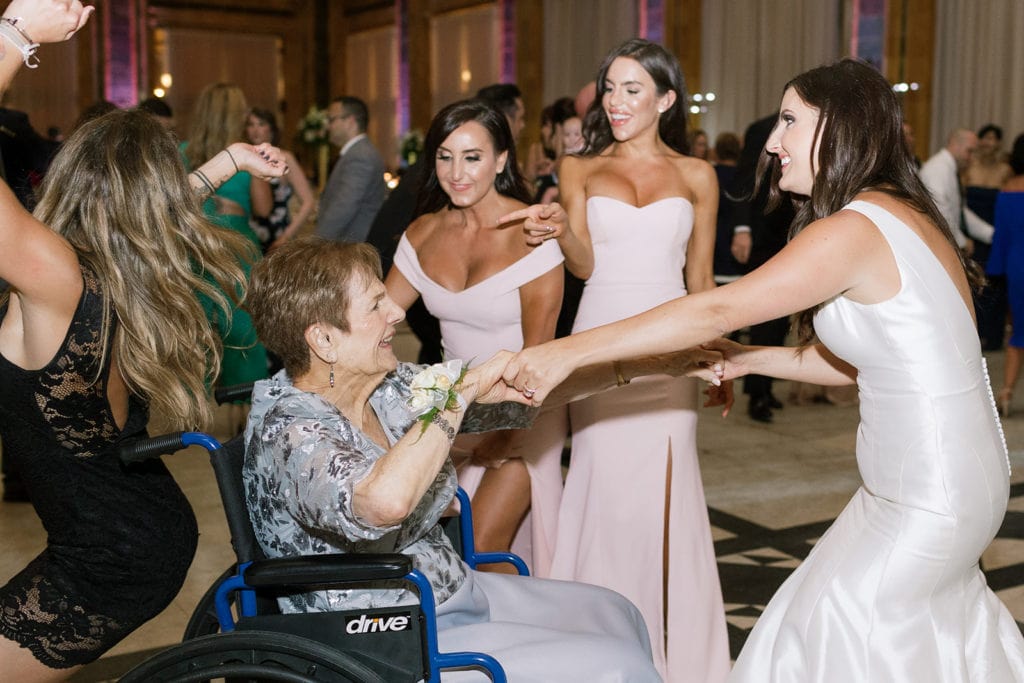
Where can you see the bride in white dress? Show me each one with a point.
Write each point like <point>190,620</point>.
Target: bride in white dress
<point>893,591</point>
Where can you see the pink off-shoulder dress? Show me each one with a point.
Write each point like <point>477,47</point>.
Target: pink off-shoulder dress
<point>476,323</point>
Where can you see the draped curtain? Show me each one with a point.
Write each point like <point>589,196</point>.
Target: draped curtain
<point>464,53</point>
<point>49,95</point>
<point>979,60</point>
<point>197,58</point>
<point>371,72</point>
<point>751,48</point>
<point>577,36</point>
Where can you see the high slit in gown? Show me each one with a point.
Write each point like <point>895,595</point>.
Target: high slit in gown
<point>633,501</point>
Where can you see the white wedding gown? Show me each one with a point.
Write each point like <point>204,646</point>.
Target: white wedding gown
<point>893,591</point>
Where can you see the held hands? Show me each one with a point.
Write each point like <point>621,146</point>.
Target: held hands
<point>702,363</point>
<point>733,356</point>
<point>541,222</point>
<point>49,21</point>
<point>484,383</point>
<point>263,161</point>
<point>535,371</point>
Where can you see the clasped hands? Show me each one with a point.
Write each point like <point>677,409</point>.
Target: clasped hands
<point>530,376</point>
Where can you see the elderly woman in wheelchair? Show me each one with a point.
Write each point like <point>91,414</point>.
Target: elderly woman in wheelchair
<point>337,460</point>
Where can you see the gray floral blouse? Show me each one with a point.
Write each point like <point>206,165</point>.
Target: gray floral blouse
<point>302,460</point>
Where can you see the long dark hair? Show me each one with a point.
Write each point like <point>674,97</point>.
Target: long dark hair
<point>664,70</point>
<point>509,182</point>
<point>267,117</point>
<point>860,128</point>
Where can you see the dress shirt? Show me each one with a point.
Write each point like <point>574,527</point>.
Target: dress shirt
<point>941,176</point>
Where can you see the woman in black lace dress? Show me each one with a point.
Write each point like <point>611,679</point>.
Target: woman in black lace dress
<point>101,321</point>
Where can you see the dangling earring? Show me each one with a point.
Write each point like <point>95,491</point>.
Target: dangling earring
<point>330,379</point>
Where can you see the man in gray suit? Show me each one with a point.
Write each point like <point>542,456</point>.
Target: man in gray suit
<point>355,189</point>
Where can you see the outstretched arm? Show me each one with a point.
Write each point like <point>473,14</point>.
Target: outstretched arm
<point>841,254</point>
<point>706,364</point>
<point>40,265</point>
<point>813,364</point>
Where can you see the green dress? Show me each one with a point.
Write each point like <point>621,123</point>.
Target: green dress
<point>245,359</point>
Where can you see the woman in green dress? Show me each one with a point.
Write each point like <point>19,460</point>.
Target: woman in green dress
<point>218,119</point>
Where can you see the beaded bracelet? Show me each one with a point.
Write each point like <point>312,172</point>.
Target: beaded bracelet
<point>9,29</point>
<point>445,426</point>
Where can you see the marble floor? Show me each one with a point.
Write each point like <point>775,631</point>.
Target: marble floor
<point>772,489</point>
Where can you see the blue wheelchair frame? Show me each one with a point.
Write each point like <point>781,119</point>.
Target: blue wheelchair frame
<point>319,570</point>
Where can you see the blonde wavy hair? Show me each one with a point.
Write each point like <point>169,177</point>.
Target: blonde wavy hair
<point>135,221</point>
<point>218,119</point>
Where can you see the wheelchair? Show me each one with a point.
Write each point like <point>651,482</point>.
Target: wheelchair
<point>237,633</point>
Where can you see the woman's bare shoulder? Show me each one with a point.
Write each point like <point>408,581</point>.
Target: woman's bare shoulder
<point>1014,184</point>
<point>692,167</point>
<point>420,230</point>
<point>575,163</point>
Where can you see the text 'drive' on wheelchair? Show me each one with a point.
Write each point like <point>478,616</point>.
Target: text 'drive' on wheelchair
<point>237,632</point>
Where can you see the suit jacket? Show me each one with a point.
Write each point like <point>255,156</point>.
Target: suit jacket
<point>769,232</point>
<point>353,194</point>
<point>940,175</point>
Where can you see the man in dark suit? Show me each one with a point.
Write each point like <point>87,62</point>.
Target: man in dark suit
<point>757,237</point>
<point>355,189</point>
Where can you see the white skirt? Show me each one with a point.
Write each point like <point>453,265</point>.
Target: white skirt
<point>543,630</point>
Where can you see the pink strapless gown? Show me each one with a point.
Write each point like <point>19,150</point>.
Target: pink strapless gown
<point>476,323</point>
<point>622,515</point>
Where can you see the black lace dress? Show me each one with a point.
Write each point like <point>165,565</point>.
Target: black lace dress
<point>120,539</point>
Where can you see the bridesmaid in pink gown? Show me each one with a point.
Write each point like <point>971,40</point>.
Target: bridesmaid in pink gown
<point>642,218</point>
<point>490,292</point>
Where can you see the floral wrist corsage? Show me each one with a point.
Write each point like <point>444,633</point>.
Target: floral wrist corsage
<point>434,390</point>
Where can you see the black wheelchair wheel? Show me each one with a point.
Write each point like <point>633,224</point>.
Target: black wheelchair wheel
<point>203,621</point>
<point>252,656</point>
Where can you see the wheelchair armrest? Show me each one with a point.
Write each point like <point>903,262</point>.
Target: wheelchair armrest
<point>235,392</point>
<point>319,570</point>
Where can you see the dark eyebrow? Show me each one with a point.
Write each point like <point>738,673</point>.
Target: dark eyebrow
<point>474,150</point>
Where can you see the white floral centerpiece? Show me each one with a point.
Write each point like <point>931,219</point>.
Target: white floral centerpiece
<point>410,147</point>
<point>313,126</point>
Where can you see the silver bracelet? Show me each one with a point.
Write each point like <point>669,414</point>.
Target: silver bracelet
<point>445,426</point>
<point>9,29</point>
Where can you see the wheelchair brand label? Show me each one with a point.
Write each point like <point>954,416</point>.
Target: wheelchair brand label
<point>385,623</point>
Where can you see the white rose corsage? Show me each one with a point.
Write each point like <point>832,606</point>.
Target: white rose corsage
<point>434,389</point>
